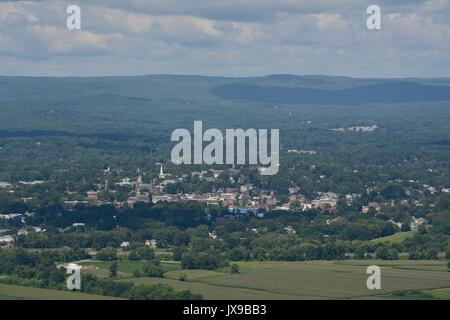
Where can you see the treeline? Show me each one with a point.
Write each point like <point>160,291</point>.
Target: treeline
<point>39,269</point>
<point>279,236</point>
<point>107,217</point>
<point>128,290</point>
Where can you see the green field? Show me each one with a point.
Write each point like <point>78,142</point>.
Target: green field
<point>9,292</point>
<point>401,279</point>
<point>312,280</point>
<point>398,237</point>
<point>439,293</point>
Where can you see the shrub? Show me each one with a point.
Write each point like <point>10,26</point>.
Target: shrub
<point>182,277</point>
<point>152,270</point>
<point>234,269</point>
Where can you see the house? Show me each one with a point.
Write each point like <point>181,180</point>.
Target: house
<point>125,244</point>
<point>38,229</point>
<point>151,243</point>
<point>162,198</point>
<point>73,203</point>
<point>5,184</point>
<point>140,198</point>
<point>290,230</point>
<point>11,216</point>
<point>22,232</point>
<point>283,207</point>
<point>294,190</point>
<point>328,199</point>
<point>6,240</point>
<point>307,152</point>
<point>92,198</point>
<point>212,235</point>
<point>32,183</point>
<point>241,211</point>
<point>77,225</point>
<point>373,205</point>
<point>416,222</point>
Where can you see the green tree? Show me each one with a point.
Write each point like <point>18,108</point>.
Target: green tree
<point>142,253</point>
<point>182,277</point>
<point>234,269</point>
<point>151,270</point>
<point>107,254</point>
<point>113,269</point>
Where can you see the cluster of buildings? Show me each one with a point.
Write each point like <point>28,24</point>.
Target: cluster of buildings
<point>7,237</point>
<point>242,201</point>
<point>357,129</point>
<point>303,152</point>
<point>246,196</point>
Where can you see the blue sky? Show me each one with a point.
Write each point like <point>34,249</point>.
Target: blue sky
<point>228,37</point>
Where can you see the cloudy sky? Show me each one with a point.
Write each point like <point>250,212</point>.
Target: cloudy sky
<point>226,37</point>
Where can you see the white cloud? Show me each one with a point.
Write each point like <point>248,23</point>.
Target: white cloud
<point>233,37</point>
<point>330,21</point>
<point>63,41</point>
<point>436,5</point>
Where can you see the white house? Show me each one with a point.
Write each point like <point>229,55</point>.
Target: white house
<point>125,244</point>
<point>6,240</point>
<point>151,243</point>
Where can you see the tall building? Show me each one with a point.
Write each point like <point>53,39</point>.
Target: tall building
<point>138,185</point>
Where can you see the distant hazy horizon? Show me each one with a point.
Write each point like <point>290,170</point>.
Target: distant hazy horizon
<point>224,76</point>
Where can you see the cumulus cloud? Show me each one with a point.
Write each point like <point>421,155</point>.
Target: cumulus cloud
<point>233,37</point>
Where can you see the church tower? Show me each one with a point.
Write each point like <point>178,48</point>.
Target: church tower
<point>138,185</point>
<point>161,172</point>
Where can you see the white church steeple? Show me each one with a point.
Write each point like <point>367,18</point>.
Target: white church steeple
<point>161,172</point>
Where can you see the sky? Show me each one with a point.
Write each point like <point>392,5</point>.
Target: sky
<point>226,38</point>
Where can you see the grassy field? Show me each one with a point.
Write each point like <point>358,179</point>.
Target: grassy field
<point>398,237</point>
<point>402,279</point>
<point>9,292</point>
<point>439,293</point>
<point>313,280</point>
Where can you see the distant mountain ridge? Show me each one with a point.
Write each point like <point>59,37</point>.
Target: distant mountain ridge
<point>385,92</point>
<point>276,88</point>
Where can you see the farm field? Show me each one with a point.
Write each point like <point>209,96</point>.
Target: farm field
<point>9,292</point>
<point>313,280</point>
<point>398,237</point>
<point>263,280</point>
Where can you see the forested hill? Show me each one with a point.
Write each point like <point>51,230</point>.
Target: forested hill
<point>272,88</point>
<point>124,108</point>
<point>385,92</point>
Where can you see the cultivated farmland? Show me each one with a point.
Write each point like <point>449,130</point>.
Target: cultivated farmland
<point>311,280</point>
<point>9,292</point>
